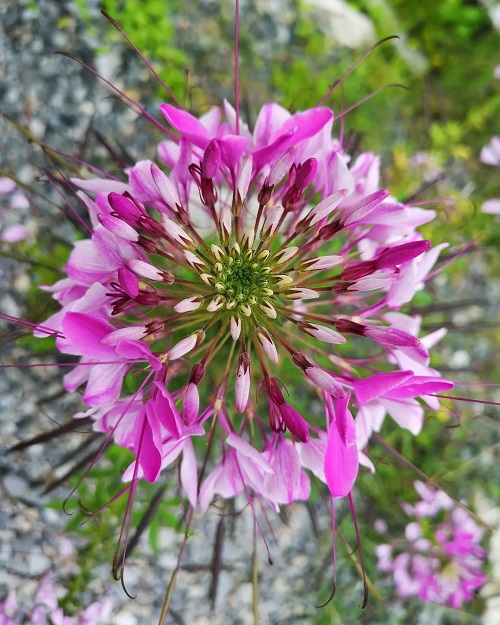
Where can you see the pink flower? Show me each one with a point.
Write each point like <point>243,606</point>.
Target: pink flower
<point>221,285</point>
<point>443,565</point>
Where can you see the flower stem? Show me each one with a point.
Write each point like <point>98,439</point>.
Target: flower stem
<point>173,579</point>
<point>255,578</point>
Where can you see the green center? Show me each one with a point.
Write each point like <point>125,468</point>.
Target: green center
<point>241,279</point>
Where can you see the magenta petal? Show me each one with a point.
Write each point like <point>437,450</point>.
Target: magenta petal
<point>100,185</point>
<point>167,411</point>
<point>133,350</point>
<point>402,253</point>
<point>307,123</point>
<point>269,153</point>
<point>186,125</point>
<point>341,465</point>
<point>85,332</point>
<point>148,447</point>
<point>421,385</point>
<point>232,147</point>
<point>344,421</point>
<point>364,207</point>
<point>376,385</point>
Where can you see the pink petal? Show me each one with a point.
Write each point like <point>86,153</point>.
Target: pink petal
<point>421,385</point>
<point>148,447</point>
<point>14,234</point>
<point>186,125</point>
<point>189,472</point>
<point>408,414</point>
<point>492,207</point>
<point>7,185</point>
<point>167,412</point>
<point>271,117</point>
<point>85,333</point>
<point>232,148</point>
<point>100,185</point>
<point>341,461</point>
<point>307,123</point>
<point>248,451</point>
<point>376,385</point>
<point>85,264</point>
<point>105,384</point>
<point>143,187</point>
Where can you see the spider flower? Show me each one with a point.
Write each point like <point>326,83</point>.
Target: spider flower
<point>441,563</point>
<point>239,284</point>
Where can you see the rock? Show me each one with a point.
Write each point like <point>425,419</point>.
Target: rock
<point>341,23</point>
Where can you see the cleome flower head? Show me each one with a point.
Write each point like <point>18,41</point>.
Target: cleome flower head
<point>239,285</point>
<point>443,565</point>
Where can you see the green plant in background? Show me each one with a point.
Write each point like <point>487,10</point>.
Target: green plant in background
<point>150,26</point>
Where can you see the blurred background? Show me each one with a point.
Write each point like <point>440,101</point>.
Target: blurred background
<point>438,106</point>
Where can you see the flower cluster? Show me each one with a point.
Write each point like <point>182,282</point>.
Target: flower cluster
<point>46,609</point>
<point>248,296</point>
<point>440,564</point>
<point>490,155</point>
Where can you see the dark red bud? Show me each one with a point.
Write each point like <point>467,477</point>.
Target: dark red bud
<point>306,173</point>
<point>349,327</point>
<point>197,373</point>
<point>359,270</point>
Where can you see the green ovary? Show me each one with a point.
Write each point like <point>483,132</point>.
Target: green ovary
<point>241,279</point>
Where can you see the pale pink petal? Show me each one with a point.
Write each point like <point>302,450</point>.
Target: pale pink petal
<point>7,185</point>
<point>104,385</point>
<point>100,185</point>
<point>14,234</point>
<point>408,414</point>
<point>245,449</point>
<point>270,118</point>
<point>189,472</point>
<point>492,207</point>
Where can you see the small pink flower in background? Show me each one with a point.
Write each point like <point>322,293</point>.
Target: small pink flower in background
<point>46,611</point>
<point>17,202</point>
<point>490,155</point>
<point>441,565</point>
